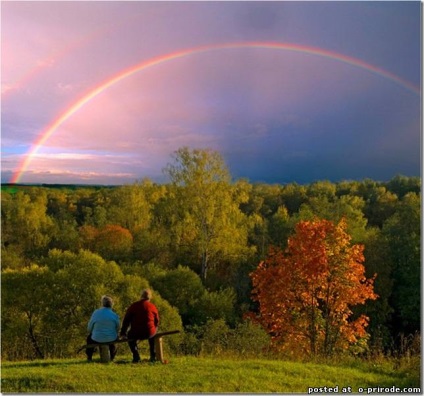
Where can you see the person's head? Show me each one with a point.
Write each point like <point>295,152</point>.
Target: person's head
<point>107,302</point>
<point>146,294</point>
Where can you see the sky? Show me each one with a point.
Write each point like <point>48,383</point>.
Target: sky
<point>105,92</point>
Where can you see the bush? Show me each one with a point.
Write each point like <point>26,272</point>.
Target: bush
<point>191,344</point>
<point>169,320</point>
<point>250,339</point>
<point>150,271</point>
<point>51,306</point>
<point>215,305</point>
<point>182,288</point>
<point>246,340</point>
<point>216,335</point>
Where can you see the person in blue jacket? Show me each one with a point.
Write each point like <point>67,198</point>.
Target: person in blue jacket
<point>103,327</point>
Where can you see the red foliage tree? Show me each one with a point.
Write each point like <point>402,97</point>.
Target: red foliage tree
<point>305,294</point>
<point>112,241</point>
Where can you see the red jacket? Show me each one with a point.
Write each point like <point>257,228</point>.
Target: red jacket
<point>143,319</point>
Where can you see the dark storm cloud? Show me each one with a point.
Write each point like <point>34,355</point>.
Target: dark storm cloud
<point>275,115</point>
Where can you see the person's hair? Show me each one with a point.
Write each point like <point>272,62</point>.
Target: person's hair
<point>107,301</point>
<point>146,294</point>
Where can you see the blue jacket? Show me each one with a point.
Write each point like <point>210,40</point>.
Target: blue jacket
<point>104,325</point>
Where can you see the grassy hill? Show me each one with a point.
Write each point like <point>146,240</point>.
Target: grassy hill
<point>201,375</point>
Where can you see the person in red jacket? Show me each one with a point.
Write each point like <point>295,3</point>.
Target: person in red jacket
<point>142,318</point>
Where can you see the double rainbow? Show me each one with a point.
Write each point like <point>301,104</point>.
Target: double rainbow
<point>73,108</point>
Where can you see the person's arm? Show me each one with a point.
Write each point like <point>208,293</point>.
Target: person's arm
<point>90,324</point>
<point>156,315</point>
<point>118,323</point>
<point>126,322</point>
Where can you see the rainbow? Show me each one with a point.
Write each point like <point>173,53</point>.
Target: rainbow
<point>73,108</point>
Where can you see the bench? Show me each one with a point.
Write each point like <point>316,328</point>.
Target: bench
<point>104,346</point>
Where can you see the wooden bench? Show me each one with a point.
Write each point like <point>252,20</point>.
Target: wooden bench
<point>105,353</point>
<point>159,345</point>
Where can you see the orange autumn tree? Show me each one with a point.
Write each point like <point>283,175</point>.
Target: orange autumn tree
<point>306,293</point>
<point>112,241</point>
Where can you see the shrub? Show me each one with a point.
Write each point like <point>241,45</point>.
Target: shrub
<point>216,305</point>
<point>51,308</point>
<point>150,271</point>
<point>216,335</point>
<point>169,320</point>
<point>249,339</point>
<point>246,340</point>
<point>182,288</point>
<point>190,344</point>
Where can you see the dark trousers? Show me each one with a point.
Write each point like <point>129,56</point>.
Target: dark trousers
<point>89,351</point>
<point>134,349</point>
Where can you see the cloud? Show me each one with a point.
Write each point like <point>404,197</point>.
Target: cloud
<point>64,88</point>
<point>72,177</point>
<point>270,112</point>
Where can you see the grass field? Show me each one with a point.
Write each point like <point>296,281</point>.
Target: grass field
<point>199,375</point>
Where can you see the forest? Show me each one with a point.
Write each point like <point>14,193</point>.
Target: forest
<point>224,259</point>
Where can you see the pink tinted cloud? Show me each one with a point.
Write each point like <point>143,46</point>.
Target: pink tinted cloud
<point>155,112</point>
<point>198,100</point>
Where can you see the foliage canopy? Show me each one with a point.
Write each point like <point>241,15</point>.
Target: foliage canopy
<point>306,293</point>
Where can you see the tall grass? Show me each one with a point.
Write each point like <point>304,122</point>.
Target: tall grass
<point>197,375</point>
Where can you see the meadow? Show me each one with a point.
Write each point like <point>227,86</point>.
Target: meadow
<point>205,375</point>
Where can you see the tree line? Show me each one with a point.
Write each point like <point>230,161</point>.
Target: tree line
<point>196,241</point>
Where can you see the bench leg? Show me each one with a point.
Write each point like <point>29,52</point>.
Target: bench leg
<point>104,353</point>
<point>159,349</point>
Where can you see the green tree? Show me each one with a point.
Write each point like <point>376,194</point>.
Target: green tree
<point>79,282</point>
<point>46,309</point>
<point>272,198</point>
<point>216,305</point>
<point>207,220</point>
<point>322,189</point>
<point>25,224</point>
<point>347,187</point>
<point>61,209</point>
<point>257,212</point>
<point>380,205</point>
<point>402,185</point>
<point>378,261</point>
<point>26,294</point>
<point>293,196</point>
<point>128,291</point>
<point>90,206</point>
<point>280,227</point>
<point>403,232</point>
<point>347,206</point>
<point>11,258</point>
<point>182,288</point>
<point>129,207</point>
<point>152,239</point>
